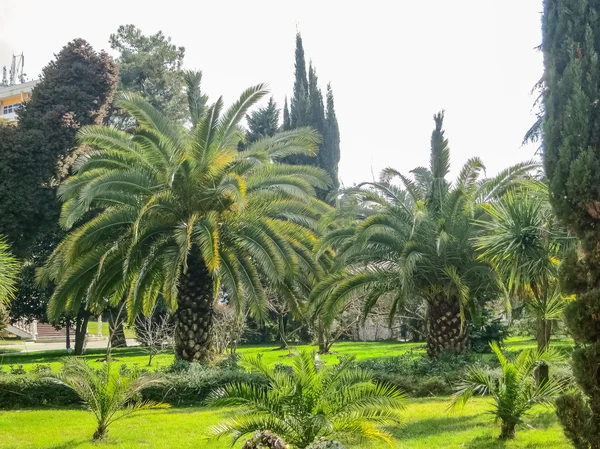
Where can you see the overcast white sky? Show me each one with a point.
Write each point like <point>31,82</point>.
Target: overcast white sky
<point>392,64</point>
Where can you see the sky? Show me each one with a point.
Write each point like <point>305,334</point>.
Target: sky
<point>391,64</point>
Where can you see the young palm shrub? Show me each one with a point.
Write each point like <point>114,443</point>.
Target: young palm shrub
<point>310,402</point>
<point>515,392</point>
<point>109,395</point>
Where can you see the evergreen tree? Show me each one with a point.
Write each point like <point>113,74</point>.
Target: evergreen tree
<point>151,65</point>
<point>331,141</point>
<point>299,104</point>
<point>263,122</point>
<point>287,124</point>
<point>308,109</point>
<point>571,37</point>
<point>75,90</point>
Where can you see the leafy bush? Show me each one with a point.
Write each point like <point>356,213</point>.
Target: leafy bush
<point>16,370</point>
<point>41,369</point>
<point>26,391</point>
<point>482,335</point>
<point>420,376</point>
<point>192,386</point>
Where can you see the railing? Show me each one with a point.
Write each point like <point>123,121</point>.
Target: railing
<point>27,327</point>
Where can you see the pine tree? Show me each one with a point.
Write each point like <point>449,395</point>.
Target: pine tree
<point>571,33</point>
<point>263,122</point>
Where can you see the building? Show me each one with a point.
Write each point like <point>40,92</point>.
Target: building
<point>12,97</point>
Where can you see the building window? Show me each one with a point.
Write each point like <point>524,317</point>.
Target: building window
<point>9,109</point>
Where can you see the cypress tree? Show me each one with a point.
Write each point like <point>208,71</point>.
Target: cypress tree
<point>287,124</point>
<point>331,140</point>
<point>263,122</point>
<point>571,41</point>
<point>299,104</point>
<point>308,109</point>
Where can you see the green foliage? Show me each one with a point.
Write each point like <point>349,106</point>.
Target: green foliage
<point>516,391</point>
<point>263,122</point>
<point>522,240</point>
<point>109,394</point>
<point>420,376</point>
<point>162,193</point>
<point>483,334</point>
<point>151,65</point>
<point>9,270</point>
<point>74,90</point>
<point>27,391</point>
<point>307,109</point>
<point>313,402</point>
<point>416,241</point>
<point>571,144</point>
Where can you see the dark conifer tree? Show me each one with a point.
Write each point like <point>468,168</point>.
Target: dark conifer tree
<point>287,124</point>
<point>308,109</point>
<point>571,133</point>
<point>263,122</point>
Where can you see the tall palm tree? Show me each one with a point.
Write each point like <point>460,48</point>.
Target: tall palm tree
<point>310,402</point>
<point>181,213</point>
<point>415,241</point>
<point>523,241</point>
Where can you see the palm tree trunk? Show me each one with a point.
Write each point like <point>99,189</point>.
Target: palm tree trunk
<point>507,431</point>
<point>194,311</point>
<point>446,332</point>
<point>100,432</point>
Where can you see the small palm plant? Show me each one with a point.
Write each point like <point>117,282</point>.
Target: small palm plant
<point>516,391</point>
<point>109,395</point>
<point>310,402</point>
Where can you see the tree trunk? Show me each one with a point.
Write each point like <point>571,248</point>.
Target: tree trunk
<point>282,338</point>
<point>116,320</point>
<point>543,333</point>
<point>194,311</point>
<point>100,432</point>
<point>68,334</point>
<point>445,330</point>
<point>507,431</point>
<point>80,331</point>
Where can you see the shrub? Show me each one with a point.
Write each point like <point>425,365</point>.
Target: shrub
<point>26,391</point>
<point>482,335</point>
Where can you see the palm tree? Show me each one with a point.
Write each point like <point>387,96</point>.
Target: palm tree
<point>182,214</point>
<point>109,395</point>
<point>9,271</point>
<point>522,240</point>
<point>515,392</point>
<point>310,403</point>
<point>415,242</point>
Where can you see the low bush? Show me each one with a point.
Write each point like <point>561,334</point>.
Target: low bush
<point>419,376</point>
<point>27,391</point>
<point>184,384</point>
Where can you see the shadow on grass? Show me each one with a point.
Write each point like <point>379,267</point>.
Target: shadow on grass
<point>486,442</point>
<point>434,426</point>
<point>58,355</point>
<point>67,445</point>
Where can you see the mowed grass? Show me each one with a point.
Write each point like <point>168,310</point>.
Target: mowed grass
<point>270,353</point>
<point>426,425</point>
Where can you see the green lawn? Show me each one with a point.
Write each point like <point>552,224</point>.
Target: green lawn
<point>426,425</point>
<point>270,353</point>
<point>93,329</point>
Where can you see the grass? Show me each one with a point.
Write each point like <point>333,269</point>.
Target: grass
<point>93,329</point>
<point>427,425</point>
<point>271,355</point>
